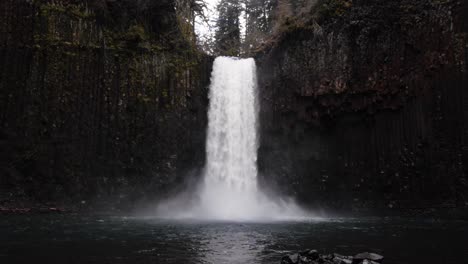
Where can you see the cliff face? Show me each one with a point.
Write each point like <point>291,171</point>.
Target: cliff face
<point>366,105</point>
<point>103,98</point>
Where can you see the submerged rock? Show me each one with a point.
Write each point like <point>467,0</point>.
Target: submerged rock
<point>340,259</point>
<point>359,258</point>
<point>366,261</point>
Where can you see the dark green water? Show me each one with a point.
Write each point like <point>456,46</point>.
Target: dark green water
<point>78,239</point>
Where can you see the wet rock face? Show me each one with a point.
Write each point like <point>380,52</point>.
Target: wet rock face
<point>366,106</point>
<point>96,106</point>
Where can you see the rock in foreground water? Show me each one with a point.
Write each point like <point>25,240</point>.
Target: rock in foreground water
<point>314,257</point>
<point>368,256</point>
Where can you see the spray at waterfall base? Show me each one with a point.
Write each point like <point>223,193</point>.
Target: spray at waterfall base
<point>229,189</point>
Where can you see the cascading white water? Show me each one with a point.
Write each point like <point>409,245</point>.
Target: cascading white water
<point>229,190</point>
<point>231,171</point>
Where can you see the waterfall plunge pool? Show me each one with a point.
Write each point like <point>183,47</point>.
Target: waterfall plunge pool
<point>79,239</point>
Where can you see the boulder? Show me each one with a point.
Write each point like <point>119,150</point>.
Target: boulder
<point>312,254</point>
<point>340,259</point>
<point>314,257</point>
<point>291,259</point>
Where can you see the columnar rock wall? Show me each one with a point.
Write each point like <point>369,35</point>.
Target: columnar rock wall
<point>366,105</point>
<point>98,99</point>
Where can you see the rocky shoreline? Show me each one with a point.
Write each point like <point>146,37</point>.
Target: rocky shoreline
<point>314,257</point>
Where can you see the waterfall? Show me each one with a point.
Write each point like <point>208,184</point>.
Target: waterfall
<point>231,145</point>
<point>229,189</point>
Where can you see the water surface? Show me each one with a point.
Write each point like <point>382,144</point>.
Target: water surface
<point>105,239</point>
